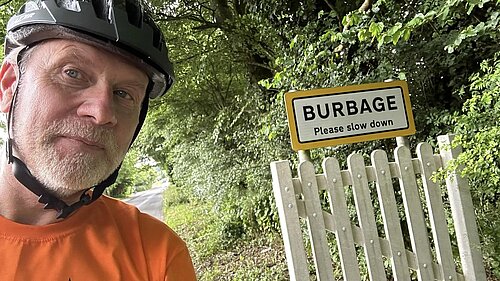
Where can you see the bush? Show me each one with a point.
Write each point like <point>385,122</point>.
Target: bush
<point>135,174</point>
<point>479,135</point>
<point>175,195</point>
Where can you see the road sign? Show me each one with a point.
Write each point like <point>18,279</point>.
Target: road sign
<point>327,117</point>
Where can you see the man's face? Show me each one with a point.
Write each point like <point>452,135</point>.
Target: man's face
<point>76,113</point>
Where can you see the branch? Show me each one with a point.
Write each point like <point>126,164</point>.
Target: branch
<point>182,60</point>
<point>222,11</point>
<point>208,25</point>
<point>330,5</point>
<point>366,5</point>
<point>5,3</point>
<point>261,65</point>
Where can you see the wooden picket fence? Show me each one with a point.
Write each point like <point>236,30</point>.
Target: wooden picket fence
<point>383,183</point>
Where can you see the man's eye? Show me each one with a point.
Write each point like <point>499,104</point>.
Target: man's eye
<point>72,73</point>
<point>123,94</point>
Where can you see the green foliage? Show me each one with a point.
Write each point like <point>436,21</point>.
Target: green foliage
<point>225,121</point>
<point>212,132</point>
<point>175,196</point>
<point>197,224</point>
<point>479,132</point>
<point>259,259</point>
<point>136,174</point>
<point>7,9</point>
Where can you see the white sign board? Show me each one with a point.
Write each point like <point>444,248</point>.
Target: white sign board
<point>326,117</point>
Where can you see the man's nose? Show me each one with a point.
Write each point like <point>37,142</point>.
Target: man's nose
<point>98,105</point>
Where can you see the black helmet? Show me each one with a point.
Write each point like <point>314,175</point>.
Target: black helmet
<point>110,23</point>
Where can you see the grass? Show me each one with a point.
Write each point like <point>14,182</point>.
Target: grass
<point>258,258</point>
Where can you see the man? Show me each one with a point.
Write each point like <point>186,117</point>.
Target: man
<point>75,85</point>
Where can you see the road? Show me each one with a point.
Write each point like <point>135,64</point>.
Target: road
<point>149,201</point>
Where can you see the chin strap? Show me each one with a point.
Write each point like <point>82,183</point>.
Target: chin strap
<point>23,175</point>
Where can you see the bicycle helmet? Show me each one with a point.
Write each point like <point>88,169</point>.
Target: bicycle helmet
<point>123,27</point>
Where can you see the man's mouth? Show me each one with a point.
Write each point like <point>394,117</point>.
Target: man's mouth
<point>85,141</point>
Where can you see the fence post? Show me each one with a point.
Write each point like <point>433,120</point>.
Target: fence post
<point>463,214</point>
<point>304,155</point>
<point>402,141</point>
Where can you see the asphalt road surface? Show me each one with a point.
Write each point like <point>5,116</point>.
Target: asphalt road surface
<point>149,201</point>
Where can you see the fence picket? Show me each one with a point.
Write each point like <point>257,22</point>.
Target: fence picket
<point>289,221</point>
<point>392,224</point>
<point>315,222</point>
<point>414,214</point>
<point>366,217</point>
<point>437,216</point>
<point>343,232</point>
<point>463,215</point>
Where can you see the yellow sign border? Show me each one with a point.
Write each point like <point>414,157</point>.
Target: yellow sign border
<point>296,145</point>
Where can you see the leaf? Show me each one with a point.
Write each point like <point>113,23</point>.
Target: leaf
<point>444,13</point>
<point>355,19</point>
<point>397,27</point>
<point>376,28</point>
<point>402,76</point>
<point>292,43</point>
<point>382,40</point>
<point>326,36</point>
<point>471,7</point>
<point>396,36</point>
<point>321,54</point>
<point>406,34</point>
<point>345,20</point>
<point>431,14</point>
<point>363,34</point>
<point>480,27</point>
<point>469,32</point>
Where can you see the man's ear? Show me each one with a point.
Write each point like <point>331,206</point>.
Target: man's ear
<point>8,84</point>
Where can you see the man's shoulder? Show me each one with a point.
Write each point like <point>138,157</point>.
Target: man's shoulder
<point>122,211</point>
<point>129,217</point>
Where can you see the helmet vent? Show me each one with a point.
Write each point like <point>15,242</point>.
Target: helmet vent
<point>30,6</point>
<point>70,5</point>
<point>158,40</point>
<point>134,12</point>
<point>101,9</point>
<point>157,35</point>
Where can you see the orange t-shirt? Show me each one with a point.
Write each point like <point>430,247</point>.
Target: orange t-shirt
<point>107,240</point>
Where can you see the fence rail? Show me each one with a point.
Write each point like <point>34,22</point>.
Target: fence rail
<point>378,194</point>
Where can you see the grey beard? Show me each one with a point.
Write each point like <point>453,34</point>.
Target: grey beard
<point>65,175</point>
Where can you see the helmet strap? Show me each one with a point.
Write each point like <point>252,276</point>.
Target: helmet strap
<point>24,176</point>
